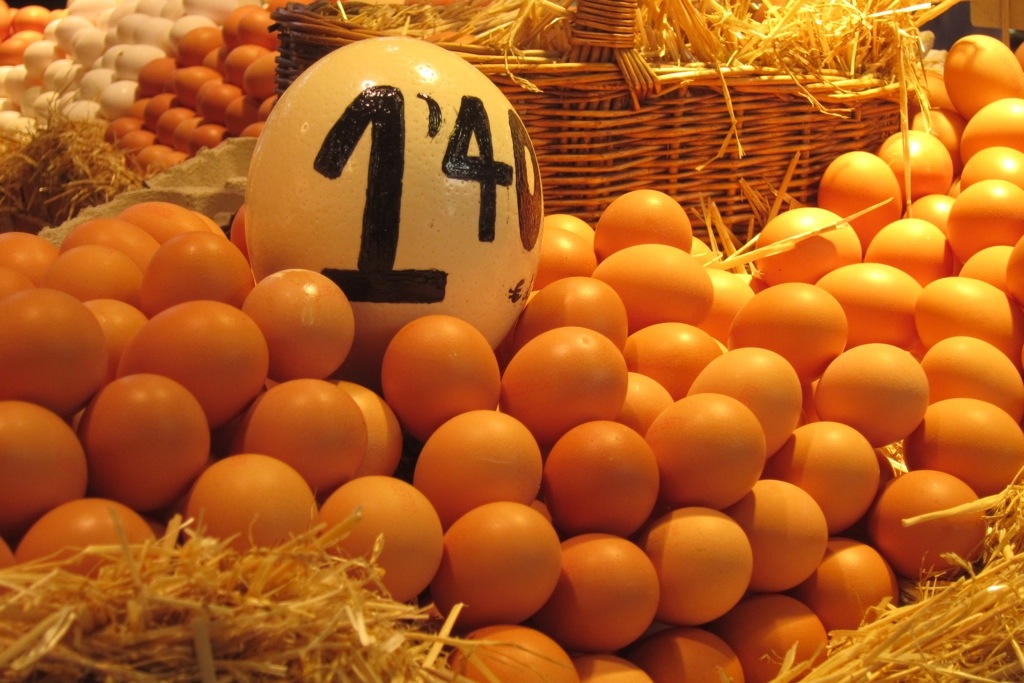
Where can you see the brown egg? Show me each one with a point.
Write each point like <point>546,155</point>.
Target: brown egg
<point>183,133</point>
<point>980,69</point>
<point>579,301</point>
<point>188,80</point>
<point>999,123</point>
<point>513,653</point>
<point>155,76</point>
<point>878,301</point>
<point>704,562</point>
<point>916,247</point>
<point>919,550</point>
<point>240,113</point>
<point>253,130</point>
<point>946,125</point>
<point>598,668</point>
<point>685,653</point>
<point>120,126</point>
<point>855,180</point>
<point>642,217</point>
<point>985,214</point>
<point>206,135</point>
<point>195,45</point>
<point>849,586</point>
<point>215,58</point>
<point>156,106</point>
<point>969,367</point>
<point>812,256</point>
<point>671,353</point>
<point>134,140</point>
<point>266,106</point>
<point>260,78</point>
<point>168,121</point>
<point>230,26</point>
<point>763,628</point>
<point>213,99</point>
<point>238,59</point>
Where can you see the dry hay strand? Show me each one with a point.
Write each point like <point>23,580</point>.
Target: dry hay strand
<point>64,166</point>
<point>197,610</point>
<point>966,629</point>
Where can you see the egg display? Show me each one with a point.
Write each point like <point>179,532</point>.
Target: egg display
<point>619,451</point>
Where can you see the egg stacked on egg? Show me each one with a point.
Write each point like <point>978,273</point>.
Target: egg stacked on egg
<point>128,63</point>
<point>672,468</point>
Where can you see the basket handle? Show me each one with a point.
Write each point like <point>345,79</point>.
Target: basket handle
<point>604,30</point>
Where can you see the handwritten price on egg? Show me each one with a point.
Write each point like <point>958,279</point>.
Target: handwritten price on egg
<point>381,108</point>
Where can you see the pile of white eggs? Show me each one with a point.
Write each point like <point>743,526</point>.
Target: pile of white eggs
<point>86,66</point>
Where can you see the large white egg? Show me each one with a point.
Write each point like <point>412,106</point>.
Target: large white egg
<point>93,82</point>
<point>396,168</point>
<point>65,29</point>
<point>88,45</point>
<point>62,74</point>
<point>117,98</point>
<point>89,9</point>
<point>37,56</point>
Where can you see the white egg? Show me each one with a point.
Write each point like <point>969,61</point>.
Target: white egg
<point>93,82</point>
<point>218,10</point>
<point>152,8</point>
<point>186,24</point>
<point>50,30</point>
<point>37,57</point>
<point>90,9</point>
<point>66,29</point>
<point>465,242</point>
<point>133,58</point>
<point>173,9</point>
<point>103,20</point>
<point>117,98</point>
<point>18,125</point>
<point>15,83</point>
<point>82,110</point>
<point>155,31</point>
<point>62,74</point>
<point>44,106</point>
<point>127,27</point>
<point>28,99</point>
<point>88,45</point>
<point>66,97</point>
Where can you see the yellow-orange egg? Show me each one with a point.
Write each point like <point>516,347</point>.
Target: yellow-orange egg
<point>645,399</point>
<point>251,500</point>
<point>383,432</point>
<point>919,550</point>
<point>812,255</point>
<point>600,476</point>
<point>573,301</point>
<point>573,224</point>
<point>642,217</point>
<point>1003,163</point>
<point>605,598</point>
<point>387,506</point>
<point>311,424</point>
<point>709,449</point>
<point>562,378</point>
<point>878,389</point>
<point>658,283</point>
<point>30,18</point>
<point>436,367</point>
<point>731,293</point>
<point>933,208</point>
<point>999,123</point>
<point>43,461</point>
<point>850,585</point>
<point>989,265</point>
<point>307,321</point>
<point>920,161</point>
<point>878,301</point>
<point>501,560</point>
<point>803,323</point>
<point>916,247</point>
<point>704,563</point>
<point>974,440</point>
<point>563,254</point>
<point>856,180</point>
<point>980,69</point>
<point>937,95</point>
<point>513,653</point>
<point>835,464</point>
<point>957,306</point>
<point>946,125</point>
<point>477,457</point>
<point>763,381</point>
<point>969,367</point>
<point>764,627</point>
<point>686,651</point>
<point>67,529</point>
<point>146,440</point>
<point>985,214</point>
<point>673,354</point>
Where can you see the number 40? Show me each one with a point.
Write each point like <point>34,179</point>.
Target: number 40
<point>382,109</point>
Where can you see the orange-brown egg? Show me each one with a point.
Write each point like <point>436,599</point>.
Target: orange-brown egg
<point>835,464</point>
<point>168,121</point>
<point>43,461</point>
<point>513,653</point>
<point>709,449</point>
<point>188,80</point>
<point>605,598</point>
<point>377,505</point>
<point>686,651</point>
<point>673,354</point>
<point>600,476</point>
<point>989,265</point>
<point>27,253</point>
<point>812,256</point>
<point>117,128</point>
<point>183,133</point>
<point>999,123</point>
<point>120,322</point>
<point>156,106</point>
<point>922,164</point>
<point>156,76</point>
<point>383,432</point>
<point>916,247</point>
<point>240,113</point>
<point>563,254</point>
<point>704,563</point>
<point>985,214</point>
<point>163,219</point>
<point>980,69</point>
<point>477,457</point>
<point>763,381</point>
<point>232,20</point>
<point>658,283</point>
<point>946,125</point>
<point>970,367</point>
<point>856,180</point>
<point>119,234</point>
<point>933,208</point>
<point>573,224</point>
<point>579,301</point>
<point>197,43</point>
<point>920,549</point>
<point>599,668</point>
<point>266,106</point>
<point>252,500</point>
<point>731,293</point>
<point>206,136</point>
<point>12,281</point>
<point>238,59</point>
<point>213,98</point>
<point>502,561</point>
<point>1003,163</point>
<point>258,28</point>
<point>95,271</point>
<point>878,301</point>
<point>878,389</point>
<point>645,399</point>
<point>642,217</point>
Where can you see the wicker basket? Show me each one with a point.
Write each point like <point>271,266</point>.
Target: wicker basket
<point>609,121</point>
